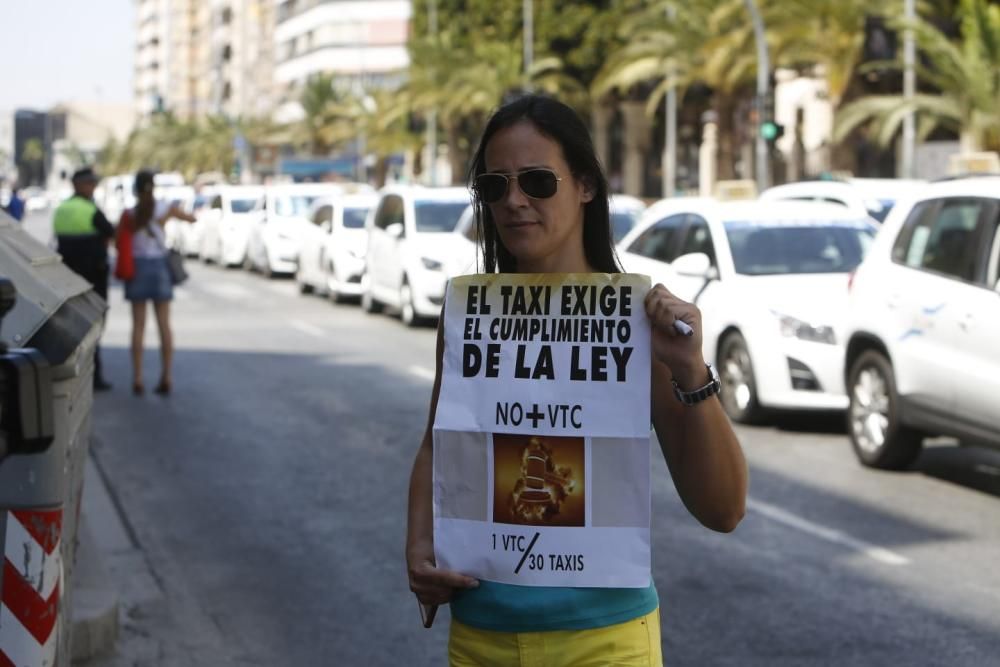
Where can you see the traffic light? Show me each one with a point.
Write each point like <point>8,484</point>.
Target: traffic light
<point>771,130</point>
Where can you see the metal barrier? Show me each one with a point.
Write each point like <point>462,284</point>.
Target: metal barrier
<point>46,377</point>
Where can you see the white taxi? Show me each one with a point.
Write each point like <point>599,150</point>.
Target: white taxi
<point>332,253</point>
<point>923,332</point>
<point>771,281</point>
<point>411,246</point>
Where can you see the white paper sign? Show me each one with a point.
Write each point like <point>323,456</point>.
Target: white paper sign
<point>541,437</point>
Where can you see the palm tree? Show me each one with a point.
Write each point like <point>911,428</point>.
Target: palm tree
<point>700,41</point>
<point>463,96</point>
<point>327,116</point>
<point>966,73</point>
<point>32,157</point>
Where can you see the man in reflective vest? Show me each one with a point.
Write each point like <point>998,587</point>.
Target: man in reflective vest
<point>83,234</point>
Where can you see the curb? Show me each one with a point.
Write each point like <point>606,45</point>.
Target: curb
<point>95,602</point>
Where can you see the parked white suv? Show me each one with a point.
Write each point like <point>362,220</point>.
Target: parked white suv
<point>923,330</point>
<point>411,249</point>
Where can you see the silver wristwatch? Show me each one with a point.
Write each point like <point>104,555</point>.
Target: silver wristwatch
<point>698,395</point>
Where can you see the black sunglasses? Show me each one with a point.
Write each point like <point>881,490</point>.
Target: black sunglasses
<point>535,183</point>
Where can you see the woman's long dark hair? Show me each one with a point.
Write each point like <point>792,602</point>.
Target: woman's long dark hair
<point>560,123</point>
<point>145,204</point>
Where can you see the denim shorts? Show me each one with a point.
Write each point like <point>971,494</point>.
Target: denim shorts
<point>151,281</point>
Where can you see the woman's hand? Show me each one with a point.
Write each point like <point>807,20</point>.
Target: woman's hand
<point>682,354</point>
<point>430,584</point>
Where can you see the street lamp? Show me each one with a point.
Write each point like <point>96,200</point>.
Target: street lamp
<point>528,12</point>
<point>909,56</point>
<point>432,116</point>
<point>763,73</point>
<point>670,120</point>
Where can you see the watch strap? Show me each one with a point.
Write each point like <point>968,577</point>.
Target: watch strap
<point>698,395</point>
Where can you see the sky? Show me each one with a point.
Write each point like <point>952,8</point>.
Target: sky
<point>55,51</point>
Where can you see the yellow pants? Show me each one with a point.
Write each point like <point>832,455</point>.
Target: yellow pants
<point>635,642</point>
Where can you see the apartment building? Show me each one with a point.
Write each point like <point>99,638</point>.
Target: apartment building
<point>200,57</point>
<point>363,42</point>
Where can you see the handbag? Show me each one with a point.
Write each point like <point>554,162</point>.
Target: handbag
<point>175,264</point>
<point>124,261</point>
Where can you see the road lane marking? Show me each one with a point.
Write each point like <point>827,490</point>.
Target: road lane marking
<point>786,518</point>
<point>228,291</point>
<point>422,373</point>
<point>306,328</point>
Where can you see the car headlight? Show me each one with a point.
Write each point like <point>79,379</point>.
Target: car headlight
<point>431,264</point>
<point>792,327</point>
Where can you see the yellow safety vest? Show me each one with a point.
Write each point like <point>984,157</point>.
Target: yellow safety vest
<point>75,217</point>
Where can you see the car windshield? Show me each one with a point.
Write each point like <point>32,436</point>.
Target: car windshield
<point>290,205</point>
<point>241,205</point>
<point>622,222</point>
<point>354,218</point>
<point>438,216</point>
<point>772,248</point>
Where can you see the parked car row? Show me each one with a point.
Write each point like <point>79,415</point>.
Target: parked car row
<point>808,302</point>
<point>812,305</point>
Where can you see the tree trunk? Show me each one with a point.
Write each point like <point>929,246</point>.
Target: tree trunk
<point>725,107</point>
<point>456,156</point>
<point>381,171</point>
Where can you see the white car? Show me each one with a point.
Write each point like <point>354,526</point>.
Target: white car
<point>279,224</point>
<point>770,279</point>
<point>225,225</point>
<point>626,211</point>
<point>862,196</point>
<point>189,238</point>
<point>923,333</point>
<point>332,251</point>
<point>176,230</point>
<point>411,245</point>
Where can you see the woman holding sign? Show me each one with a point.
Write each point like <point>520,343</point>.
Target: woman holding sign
<point>541,203</point>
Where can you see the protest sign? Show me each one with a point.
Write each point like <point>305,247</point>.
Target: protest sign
<point>541,436</point>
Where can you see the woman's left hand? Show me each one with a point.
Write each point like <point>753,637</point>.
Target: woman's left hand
<point>682,354</point>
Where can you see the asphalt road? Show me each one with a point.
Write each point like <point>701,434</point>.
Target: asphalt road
<point>268,497</point>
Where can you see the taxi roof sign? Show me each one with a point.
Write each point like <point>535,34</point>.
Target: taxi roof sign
<point>974,163</point>
<point>735,190</point>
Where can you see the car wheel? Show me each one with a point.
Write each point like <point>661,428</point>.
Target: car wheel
<point>739,389</point>
<point>368,302</point>
<point>879,438</point>
<point>331,286</point>
<point>407,313</point>
<point>304,287</point>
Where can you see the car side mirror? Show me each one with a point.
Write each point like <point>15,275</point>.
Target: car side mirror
<point>695,265</point>
<point>395,230</point>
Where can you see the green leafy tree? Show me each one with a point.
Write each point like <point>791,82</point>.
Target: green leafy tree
<point>668,44</point>
<point>32,161</point>
<point>966,74</point>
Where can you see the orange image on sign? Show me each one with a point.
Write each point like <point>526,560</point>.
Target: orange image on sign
<point>538,480</point>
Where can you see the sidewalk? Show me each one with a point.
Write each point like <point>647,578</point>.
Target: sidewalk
<point>132,607</point>
<point>112,578</point>
<point>95,598</point>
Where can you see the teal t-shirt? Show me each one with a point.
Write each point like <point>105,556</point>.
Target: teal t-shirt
<point>509,608</point>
